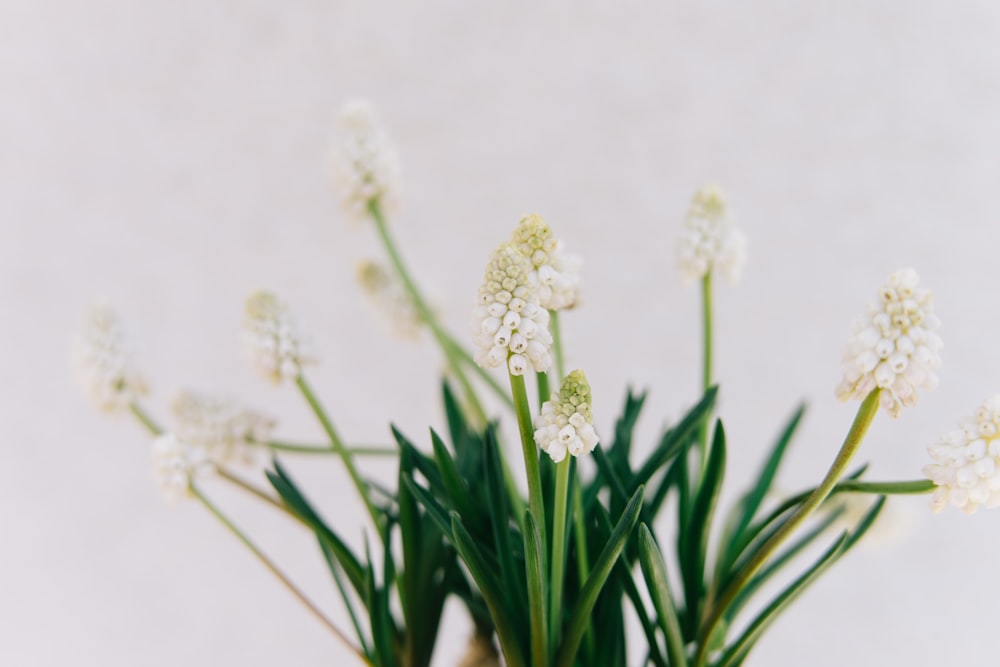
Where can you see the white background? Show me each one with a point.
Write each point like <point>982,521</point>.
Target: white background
<point>172,156</point>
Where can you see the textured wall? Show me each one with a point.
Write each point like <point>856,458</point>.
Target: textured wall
<point>172,156</point>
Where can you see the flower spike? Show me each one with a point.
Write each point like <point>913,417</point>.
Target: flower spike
<point>225,431</point>
<point>566,423</point>
<point>709,240</point>
<point>554,271</point>
<point>104,357</point>
<point>966,467</point>
<point>894,346</point>
<point>365,165</point>
<point>273,340</point>
<point>174,466</point>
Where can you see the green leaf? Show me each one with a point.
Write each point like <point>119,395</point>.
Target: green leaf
<point>438,513</point>
<point>534,565</point>
<point>592,587</point>
<point>457,489</point>
<point>499,516</point>
<point>410,529</point>
<point>655,573</point>
<point>503,617</point>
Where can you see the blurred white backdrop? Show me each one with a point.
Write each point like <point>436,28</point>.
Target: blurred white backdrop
<point>172,156</point>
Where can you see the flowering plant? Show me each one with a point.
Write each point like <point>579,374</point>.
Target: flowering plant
<point>546,576</point>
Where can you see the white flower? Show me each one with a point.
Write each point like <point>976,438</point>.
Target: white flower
<point>709,240</point>
<point>273,340</point>
<point>174,466</point>
<point>894,346</point>
<point>967,461</point>
<point>509,325</point>
<point>365,164</point>
<point>390,296</point>
<point>223,429</point>
<point>104,360</point>
<point>556,272</point>
<point>566,423</point>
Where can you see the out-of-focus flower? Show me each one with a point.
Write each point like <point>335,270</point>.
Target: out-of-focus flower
<point>709,241</point>
<point>365,164</point>
<point>273,340</point>
<point>894,346</point>
<point>224,430</point>
<point>566,423</point>
<point>104,360</point>
<point>481,652</point>
<point>391,298</point>
<point>174,466</point>
<point>556,272</point>
<point>509,325</point>
<point>967,461</point>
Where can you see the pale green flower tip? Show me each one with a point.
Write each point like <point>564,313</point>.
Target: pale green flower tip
<point>709,202</point>
<point>555,272</point>
<point>574,395</point>
<point>533,238</point>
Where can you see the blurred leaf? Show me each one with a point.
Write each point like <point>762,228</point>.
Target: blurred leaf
<point>655,573</point>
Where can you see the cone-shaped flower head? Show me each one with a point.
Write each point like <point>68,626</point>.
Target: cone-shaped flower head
<point>566,423</point>
<point>273,340</point>
<point>509,325</point>
<point>709,241</point>
<point>174,466</point>
<point>104,360</point>
<point>894,346</point>
<point>224,430</point>
<point>556,272</point>
<point>365,164</point>
<point>391,298</point>
<point>966,464</point>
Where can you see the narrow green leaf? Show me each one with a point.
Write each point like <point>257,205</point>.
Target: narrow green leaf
<point>486,582</point>
<point>498,510</point>
<point>435,510</point>
<point>534,565</point>
<point>410,525</point>
<point>335,570</point>
<point>655,573</point>
<point>632,592</point>
<point>592,587</point>
<point>458,490</point>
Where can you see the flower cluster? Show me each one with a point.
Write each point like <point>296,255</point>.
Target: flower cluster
<point>223,429</point>
<point>104,357</point>
<point>555,271</point>
<point>709,240</point>
<point>273,340</point>
<point>894,347</point>
<point>967,462</point>
<point>391,298</point>
<point>566,422</point>
<point>509,324</point>
<point>174,466</point>
<point>365,166</point>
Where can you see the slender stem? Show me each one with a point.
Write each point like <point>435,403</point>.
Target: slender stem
<point>558,548</point>
<point>425,312</point>
<point>296,448</point>
<point>543,388</point>
<point>530,451</point>
<point>580,537</point>
<point>148,422</point>
<point>337,445</point>
<point>862,421</point>
<point>557,346</point>
<point>254,490</point>
<point>270,565</point>
<point>707,334</point>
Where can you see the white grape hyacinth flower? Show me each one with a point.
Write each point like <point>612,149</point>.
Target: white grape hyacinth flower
<point>273,340</point>
<point>224,430</point>
<point>175,465</point>
<point>966,467</point>
<point>366,167</point>
<point>389,295</point>
<point>566,424</point>
<point>104,361</point>
<point>709,240</point>
<point>556,272</point>
<point>895,346</point>
<point>510,327</point>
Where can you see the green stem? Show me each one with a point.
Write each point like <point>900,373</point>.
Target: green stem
<point>909,488</point>
<point>557,346</point>
<point>425,312</point>
<point>582,560</point>
<point>862,421</point>
<point>337,445</point>
<point>296,448</point>
<point>148,422</point>
<point>558,549</point>
<point>707,337</point>
<point>530,451</point>
<point>255,491</point>
<point>269,564</point>
<point>544,393</point>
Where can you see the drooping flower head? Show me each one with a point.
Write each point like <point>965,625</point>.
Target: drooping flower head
<point>566,423</point>
<point>224,430</point>
<point>894,346</point>
<point>391,298</point>
<point>509,325</point>
<point>274,342</point>
<point>104,360</point>
<point>709,241</point>
<point>966,466</point>
<point>365,163</point>
<point>556,272</point>
<point>174,466</point>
